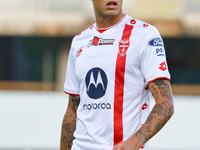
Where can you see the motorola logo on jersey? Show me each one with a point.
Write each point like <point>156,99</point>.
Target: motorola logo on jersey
<point>96,83</point>
<point>97,106</point>
<point>96,41</point>
<point>156,42</point>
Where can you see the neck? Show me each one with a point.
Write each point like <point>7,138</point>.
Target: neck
<point>104,22</point>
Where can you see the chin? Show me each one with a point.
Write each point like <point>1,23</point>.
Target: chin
<point>112,13</point>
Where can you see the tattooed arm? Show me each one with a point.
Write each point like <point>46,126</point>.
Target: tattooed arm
<point>160,114</point>
<point>69,123</point>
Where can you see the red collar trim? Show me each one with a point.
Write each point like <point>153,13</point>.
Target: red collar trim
<point>101,30</point>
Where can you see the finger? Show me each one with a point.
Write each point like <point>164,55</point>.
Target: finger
<point>115,148</point>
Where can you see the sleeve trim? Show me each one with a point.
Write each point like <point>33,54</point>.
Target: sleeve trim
<point>71,93</point>
<point>159,78</point>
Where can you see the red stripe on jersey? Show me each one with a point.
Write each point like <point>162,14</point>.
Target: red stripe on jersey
<point>119,89</point>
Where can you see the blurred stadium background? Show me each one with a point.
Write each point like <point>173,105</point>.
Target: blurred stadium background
<point>35,38</point>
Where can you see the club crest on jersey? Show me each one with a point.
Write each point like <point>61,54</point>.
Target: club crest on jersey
<point>96,41</point>
<point>123,47</point>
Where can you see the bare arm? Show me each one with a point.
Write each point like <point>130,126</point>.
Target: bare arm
<point>160,114</point>
<point>69,123</point>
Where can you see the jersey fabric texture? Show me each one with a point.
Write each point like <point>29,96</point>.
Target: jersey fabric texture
<point>110,70</point>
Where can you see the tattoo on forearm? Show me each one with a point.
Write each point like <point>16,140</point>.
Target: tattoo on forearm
<point>160,114</point>
<point>69,124</point>
<point>68,128</point>
<point>156,120</point>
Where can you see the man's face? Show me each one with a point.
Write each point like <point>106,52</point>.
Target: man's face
<point>107,8</point>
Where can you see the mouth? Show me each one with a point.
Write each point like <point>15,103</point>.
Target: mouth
<point>112,4</point>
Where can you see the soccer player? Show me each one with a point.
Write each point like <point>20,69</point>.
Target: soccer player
<point>113,68</point>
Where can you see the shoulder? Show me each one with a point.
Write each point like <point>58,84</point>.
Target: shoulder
<point>82,39</point>
<point>136,22</point>
<point>149,34</point>
<point>84,34</point>
<point>141,26</point>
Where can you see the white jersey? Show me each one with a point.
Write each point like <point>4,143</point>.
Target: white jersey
<point>110,70</point>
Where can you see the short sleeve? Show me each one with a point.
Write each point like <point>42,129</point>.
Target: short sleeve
<point>71,85</point>
<point>154,64</point>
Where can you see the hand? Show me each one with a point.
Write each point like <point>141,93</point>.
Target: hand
<point>126,145</point>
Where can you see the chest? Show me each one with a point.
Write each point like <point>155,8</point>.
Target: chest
<point>106,51</point>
